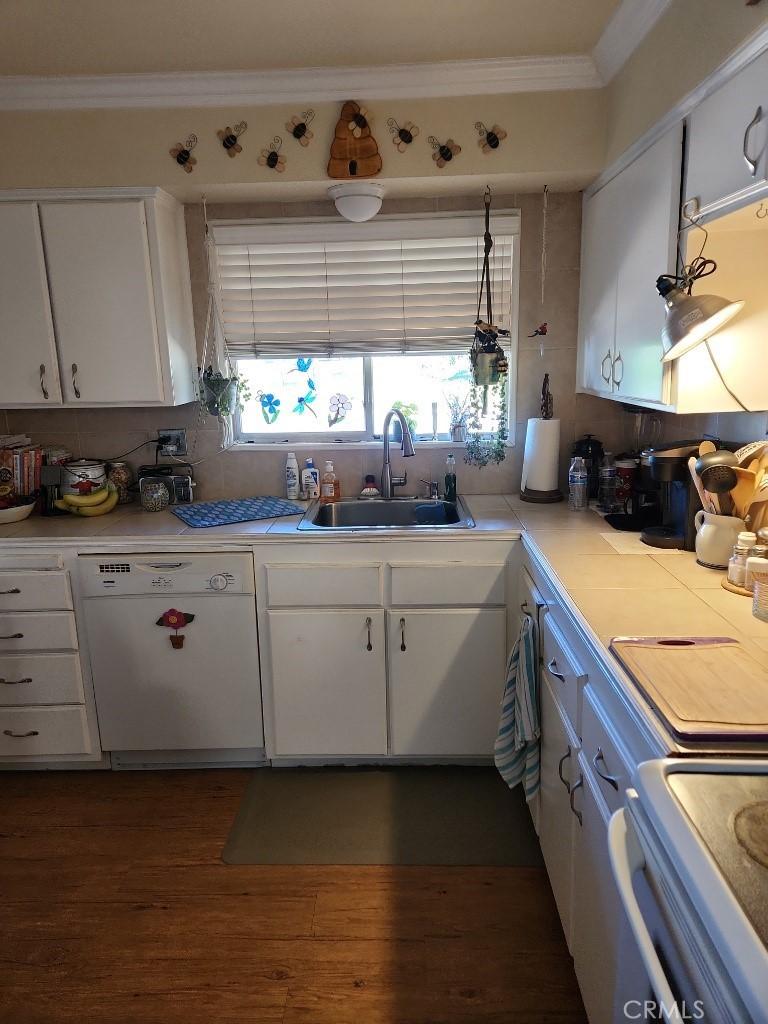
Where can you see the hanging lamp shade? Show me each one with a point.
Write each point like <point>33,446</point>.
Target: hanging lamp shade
<point>691,319</point>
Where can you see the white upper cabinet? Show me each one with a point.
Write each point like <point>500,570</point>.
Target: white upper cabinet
<point>101,299</point>
<point>629,239</point>
<point>30,373</point>
<point>728,140</point>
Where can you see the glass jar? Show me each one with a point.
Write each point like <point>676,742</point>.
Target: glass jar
<point>154,496</point>
<point>121,475</point>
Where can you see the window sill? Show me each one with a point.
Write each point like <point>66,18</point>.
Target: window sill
<point>335,446</point>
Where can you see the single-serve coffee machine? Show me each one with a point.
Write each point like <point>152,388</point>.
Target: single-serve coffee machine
<point>667,467</point>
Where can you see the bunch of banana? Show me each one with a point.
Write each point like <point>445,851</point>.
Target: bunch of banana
<point>97,503</point>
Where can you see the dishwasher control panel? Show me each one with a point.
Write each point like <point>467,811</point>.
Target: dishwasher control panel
<point>183,573</point>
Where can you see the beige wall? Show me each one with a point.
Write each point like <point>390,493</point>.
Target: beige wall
<point>107,433</point>
<point>552,136</point>
<point>685,46</point>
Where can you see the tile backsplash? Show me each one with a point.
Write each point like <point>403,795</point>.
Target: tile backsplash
<point>108,433</point>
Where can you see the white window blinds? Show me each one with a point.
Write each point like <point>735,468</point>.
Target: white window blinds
<point>333,289</point>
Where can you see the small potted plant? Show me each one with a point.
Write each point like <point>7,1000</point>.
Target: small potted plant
<point>221,395</point>
<point>458,409</point>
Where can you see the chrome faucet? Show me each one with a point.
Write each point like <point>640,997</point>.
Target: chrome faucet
<point>406,446</point>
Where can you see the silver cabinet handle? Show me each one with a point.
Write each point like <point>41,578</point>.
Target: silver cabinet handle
<point>553,670</point>
<point>15,682</point>
<point>617,380</point>
<point>566,756</point>
<point>574,787</point>
<point>20,735</point>
<point>599,759</point>
<point>368,624</point>
<point>402,634</point>
<point>13,590</point>
<point>751,164</point>
<point>43,388</point>
<point>606,375</point>
<point>13,636</point>
<point>75,388</point>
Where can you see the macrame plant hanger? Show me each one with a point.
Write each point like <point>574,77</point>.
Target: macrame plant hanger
<point>489,361</point>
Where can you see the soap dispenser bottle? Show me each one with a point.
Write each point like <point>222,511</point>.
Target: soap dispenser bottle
<point>450,478</point>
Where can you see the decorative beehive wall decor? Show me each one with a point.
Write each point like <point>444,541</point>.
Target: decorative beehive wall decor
<point>354,152</point>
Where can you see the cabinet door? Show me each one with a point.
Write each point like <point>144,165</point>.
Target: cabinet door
<point>597,909</point>
<point>649,195</point>
<point>726,130</point>
<point>446,679</point>
<point>27,350</point>
<point>597,303</point>
<point>558,765</point>
<point>103,301</point>
<point>329,693</point>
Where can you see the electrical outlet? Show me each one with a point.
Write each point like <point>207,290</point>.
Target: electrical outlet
<point>172,442</point>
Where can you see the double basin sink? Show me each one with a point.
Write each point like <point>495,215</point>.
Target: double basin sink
<point>387,514</point>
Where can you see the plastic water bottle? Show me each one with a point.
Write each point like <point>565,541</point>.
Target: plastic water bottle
<point>606,497</point>
<point>578,485</point>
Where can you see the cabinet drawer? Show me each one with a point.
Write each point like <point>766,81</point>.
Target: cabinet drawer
<point>455,583</point>
<point>292,586</point>
<point>29,732</point>
<point>565,674</point>
<point>37,631</point>
<point>22,561</point>
<point>40,679</point>
<point>34,591</point>
<point>602,752</point>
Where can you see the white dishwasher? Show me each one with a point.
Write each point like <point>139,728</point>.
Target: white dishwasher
<point>174,650</point>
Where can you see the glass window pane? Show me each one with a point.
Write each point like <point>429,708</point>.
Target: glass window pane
<point>303,396</point>
<point>415,382</point>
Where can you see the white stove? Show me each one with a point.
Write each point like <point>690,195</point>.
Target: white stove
<point>689,853</point>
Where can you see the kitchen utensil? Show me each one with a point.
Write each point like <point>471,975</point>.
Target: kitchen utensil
<point>750,451</point>
<point>703,687</point>
<point>755,512</point>
<point>697,481</point>
<point>744,490</point>
<point>715,538</point>
<point>719,481</point>
<point>706,447</point>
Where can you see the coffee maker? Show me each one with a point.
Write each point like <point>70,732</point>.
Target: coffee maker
<point>667,466</point>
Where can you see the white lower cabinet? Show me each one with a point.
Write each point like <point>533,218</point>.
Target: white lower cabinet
<point>597,910</point>
<point>559,768</point>
<point>329,687</point>
<point>446,678</point>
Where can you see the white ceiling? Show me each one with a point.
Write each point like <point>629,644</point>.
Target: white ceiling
<point>99,37</point>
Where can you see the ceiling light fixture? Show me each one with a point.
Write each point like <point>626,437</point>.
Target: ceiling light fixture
<point>357,201</point>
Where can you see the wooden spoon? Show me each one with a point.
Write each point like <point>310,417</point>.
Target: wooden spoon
<point>706,447</point>
<point>744,491</point>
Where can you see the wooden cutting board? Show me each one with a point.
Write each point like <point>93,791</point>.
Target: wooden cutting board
<point>704,688</point>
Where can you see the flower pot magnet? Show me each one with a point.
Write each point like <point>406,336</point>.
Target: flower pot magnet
<point>175,620</point>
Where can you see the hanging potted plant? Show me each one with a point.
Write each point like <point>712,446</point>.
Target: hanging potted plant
<point>221,395</point>
<point>489,370</point>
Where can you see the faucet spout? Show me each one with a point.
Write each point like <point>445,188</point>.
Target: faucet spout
<point>407,448</point>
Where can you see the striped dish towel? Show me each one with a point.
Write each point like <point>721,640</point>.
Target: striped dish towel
<point>516,751</point>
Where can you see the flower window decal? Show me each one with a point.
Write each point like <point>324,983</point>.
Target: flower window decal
<point>270,407</point>
<point>338,407</point>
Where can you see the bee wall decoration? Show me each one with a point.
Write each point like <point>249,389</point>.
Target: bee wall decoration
<point>272,157</point>
<point>444,152</point>
<point>490,138</point>
<point>182,153</point>
<point>298,127</point>
<point>228,137</point>
<point>358,122</point>
<point>402,135</point>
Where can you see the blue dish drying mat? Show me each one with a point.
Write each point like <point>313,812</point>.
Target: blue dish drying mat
<point>241,510</point>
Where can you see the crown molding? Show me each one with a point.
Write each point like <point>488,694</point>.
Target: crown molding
<point>628,27</point>
<point>301,85</point>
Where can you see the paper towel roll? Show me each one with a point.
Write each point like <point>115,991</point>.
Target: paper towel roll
<point>542,454</point>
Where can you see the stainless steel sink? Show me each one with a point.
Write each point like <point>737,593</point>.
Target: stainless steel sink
<point>387,514</point>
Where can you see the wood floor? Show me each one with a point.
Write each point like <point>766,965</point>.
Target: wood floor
<point>115,908</point>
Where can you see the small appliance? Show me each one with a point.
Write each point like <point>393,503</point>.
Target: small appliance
<point>678,500</point>
<point>176,478</point>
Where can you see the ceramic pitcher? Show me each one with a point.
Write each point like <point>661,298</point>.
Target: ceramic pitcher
<point>715,538</point>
